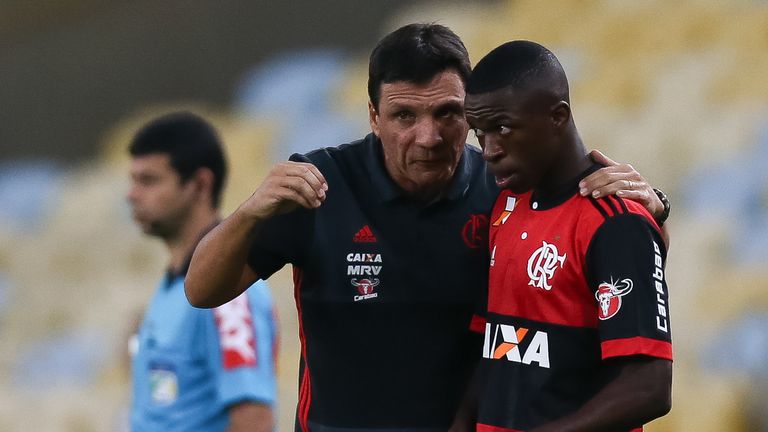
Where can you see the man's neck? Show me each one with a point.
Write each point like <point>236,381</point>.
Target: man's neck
<point>190,233</point>
<point>572,162</point>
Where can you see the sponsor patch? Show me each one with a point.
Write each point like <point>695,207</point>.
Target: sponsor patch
<point>365,288</point>
<point>609,296</point>
<point>163,383</point>
<point>509,207</point>
<point>364,235</point>
<point>662,322</point>
<point>504,341</point>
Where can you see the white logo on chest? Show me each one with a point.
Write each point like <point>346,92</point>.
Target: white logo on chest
<point>542,265</point>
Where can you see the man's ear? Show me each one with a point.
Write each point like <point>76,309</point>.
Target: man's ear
<point>203,180</point>
<point>373,118</point>
<point>561,114</point>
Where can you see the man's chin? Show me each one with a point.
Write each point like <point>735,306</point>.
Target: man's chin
<point>511,181</point>
<point>515,185</point>
<point>434,180</point>
<point>428,187</point>
<point>149,229</point>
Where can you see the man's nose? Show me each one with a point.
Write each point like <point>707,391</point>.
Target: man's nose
<point>428,133</point>
<point>133,194</point>
<point>491,148</point>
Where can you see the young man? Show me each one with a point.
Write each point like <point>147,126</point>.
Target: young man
<point>195,369</point>
<point>577,334</point>
<point>387,239</point>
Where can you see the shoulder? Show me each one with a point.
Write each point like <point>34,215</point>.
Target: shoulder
<point>335,155</point>
<point>617,210</point>
<point>342,164</point>
<point>473,150</point>
<point>623,222</point>
<point>597,211</point>
<point>474,157</point>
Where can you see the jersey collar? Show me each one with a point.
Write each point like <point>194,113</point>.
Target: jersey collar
<point>546,201</point>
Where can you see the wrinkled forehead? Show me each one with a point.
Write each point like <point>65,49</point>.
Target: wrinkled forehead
<point>445,87</point>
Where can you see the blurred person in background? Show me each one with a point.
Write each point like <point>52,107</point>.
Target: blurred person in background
<point>577,334</point>
<point>388,240</point>
<point>194,369</point>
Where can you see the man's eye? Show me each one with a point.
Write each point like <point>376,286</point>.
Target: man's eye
<point>404,115</point>
<point>447,112</point>
<point>478,132</point>
<point>147,181</point>
<point>504,130</point>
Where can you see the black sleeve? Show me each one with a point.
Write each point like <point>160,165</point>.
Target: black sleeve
<point>282,239</point>
<point>625,267</point>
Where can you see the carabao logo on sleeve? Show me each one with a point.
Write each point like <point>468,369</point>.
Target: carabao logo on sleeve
<point>662,321</point>
<point>609,296</point>
<point>236,335</point>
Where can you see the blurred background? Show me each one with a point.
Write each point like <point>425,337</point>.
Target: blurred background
<point>678,89</point>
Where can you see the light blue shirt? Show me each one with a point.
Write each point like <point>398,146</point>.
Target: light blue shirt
<point>192,364</point>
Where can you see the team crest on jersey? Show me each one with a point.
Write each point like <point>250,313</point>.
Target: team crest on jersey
<point>475,231</point>
<point>236,334</point>
<point>365,288</point>
<point>542,265</point>
<point>609,296</point>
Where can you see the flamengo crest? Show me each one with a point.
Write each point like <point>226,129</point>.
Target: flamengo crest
<point>542,265</point>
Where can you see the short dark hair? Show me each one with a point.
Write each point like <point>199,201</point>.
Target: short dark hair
<point>519,64</point>
<point>416,53</point>
<point>190,142</point>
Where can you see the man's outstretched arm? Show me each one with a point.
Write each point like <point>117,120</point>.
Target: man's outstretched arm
<point>219,270</point>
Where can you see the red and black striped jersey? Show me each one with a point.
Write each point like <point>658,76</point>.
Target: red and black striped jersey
<point>573,281</point>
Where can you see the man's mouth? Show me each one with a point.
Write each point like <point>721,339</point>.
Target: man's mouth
<point>504,179</point>
<point>431,164</point>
